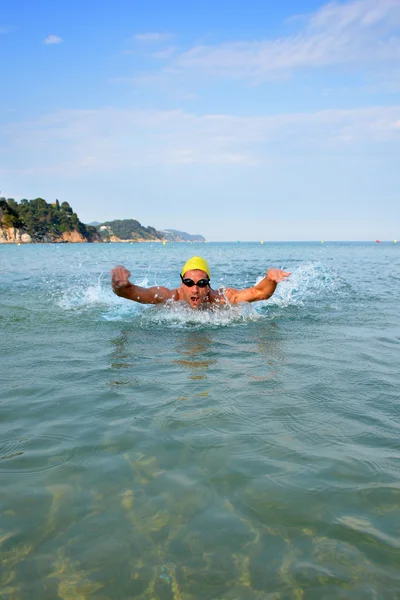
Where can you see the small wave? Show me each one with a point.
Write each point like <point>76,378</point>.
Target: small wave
<point>9,449</point>
<point>36,454</point>
<point>365,527</point>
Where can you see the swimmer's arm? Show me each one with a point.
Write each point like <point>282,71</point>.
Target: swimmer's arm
<point>125,289</point>
<point>261,291</point>
<point>152,295</point>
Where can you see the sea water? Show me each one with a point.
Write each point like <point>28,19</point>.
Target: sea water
<point>164,453</point>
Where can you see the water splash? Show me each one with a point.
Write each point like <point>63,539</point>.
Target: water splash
<point>308,283</point>
<point>84,295</point>
<point>180,315</point>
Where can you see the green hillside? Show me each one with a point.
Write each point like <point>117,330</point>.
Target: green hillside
<point>128,229</point>
<point>44,222</point>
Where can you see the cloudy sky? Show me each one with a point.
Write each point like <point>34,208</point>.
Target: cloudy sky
<point>236,120</point>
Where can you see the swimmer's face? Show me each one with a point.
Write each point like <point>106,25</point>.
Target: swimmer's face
<point>195,295</point>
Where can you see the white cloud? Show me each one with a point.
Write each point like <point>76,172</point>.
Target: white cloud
<point>166,53</point>
<point>152,37</point>
<point>364,13</point>
<point>359,32</point>
<point>52,39</point>
<point>115,139</point>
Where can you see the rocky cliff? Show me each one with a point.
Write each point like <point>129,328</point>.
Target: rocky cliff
<point>14,235</point>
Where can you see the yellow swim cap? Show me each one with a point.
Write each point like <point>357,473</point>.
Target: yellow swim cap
<point>196,263</point>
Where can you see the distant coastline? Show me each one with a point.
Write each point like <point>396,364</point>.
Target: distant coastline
<point>39,222</point>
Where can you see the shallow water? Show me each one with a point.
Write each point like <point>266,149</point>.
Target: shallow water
<point>248,453</point>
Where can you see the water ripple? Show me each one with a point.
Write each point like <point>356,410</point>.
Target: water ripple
<point>38,453</point>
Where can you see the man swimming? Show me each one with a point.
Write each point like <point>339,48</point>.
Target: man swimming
<point>195,287</point>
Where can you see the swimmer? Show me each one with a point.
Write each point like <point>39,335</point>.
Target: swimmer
<point>195,287</point>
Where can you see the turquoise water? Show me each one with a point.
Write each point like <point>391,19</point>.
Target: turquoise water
<point>160,453</point>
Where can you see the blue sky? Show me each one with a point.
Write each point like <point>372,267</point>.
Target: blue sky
<point>236,120</point>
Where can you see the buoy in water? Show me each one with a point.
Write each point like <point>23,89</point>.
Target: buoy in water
<point>262,242</point>
<point>378,241</point>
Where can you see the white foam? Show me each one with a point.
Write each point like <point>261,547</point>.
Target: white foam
<point>180,314</point>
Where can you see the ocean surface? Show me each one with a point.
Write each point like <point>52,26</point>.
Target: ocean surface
<point>164,453</point>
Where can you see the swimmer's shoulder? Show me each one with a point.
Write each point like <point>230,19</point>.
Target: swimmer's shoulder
<point>220,296</point>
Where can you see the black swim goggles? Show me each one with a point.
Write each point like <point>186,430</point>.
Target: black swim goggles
<point>201,283</point>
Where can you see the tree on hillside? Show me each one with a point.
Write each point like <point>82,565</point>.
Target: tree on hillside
<point>8,215</point>
<point>127,229</point>
<point>43,221</point>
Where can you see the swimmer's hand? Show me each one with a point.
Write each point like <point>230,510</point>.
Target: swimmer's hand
<point>125,289</point>
<point>277,275</point>
<point>120,277</point>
